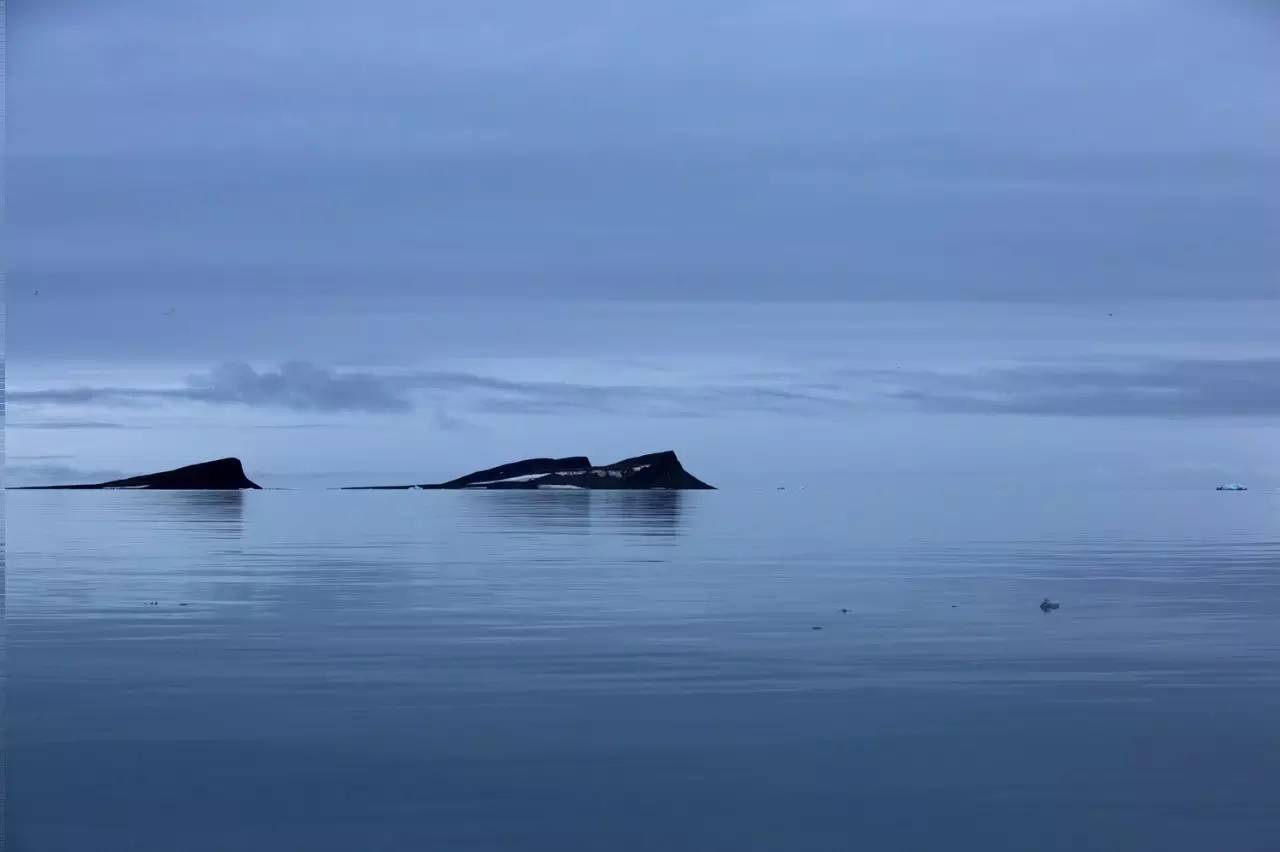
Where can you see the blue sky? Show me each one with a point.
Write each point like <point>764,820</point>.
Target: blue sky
<point>342,243</point>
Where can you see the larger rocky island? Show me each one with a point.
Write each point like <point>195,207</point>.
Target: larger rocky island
<point>653,471</point>
<point>219,475</point>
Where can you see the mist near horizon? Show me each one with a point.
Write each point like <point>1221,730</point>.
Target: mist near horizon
<point>1106,394</point>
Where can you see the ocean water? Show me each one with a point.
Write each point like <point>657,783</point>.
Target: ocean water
<point>639,671</point>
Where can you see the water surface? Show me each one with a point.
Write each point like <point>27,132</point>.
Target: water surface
<point>535,670</point>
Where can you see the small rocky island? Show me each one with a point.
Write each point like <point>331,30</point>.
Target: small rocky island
<point>219,475</point>
<point>653,471</point>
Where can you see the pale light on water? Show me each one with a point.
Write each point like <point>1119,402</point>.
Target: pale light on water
<point>639,670</point>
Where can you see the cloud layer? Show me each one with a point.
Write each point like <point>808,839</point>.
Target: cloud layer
<point>1174,388</point>
<point>299,386</point>
<point>303,386</point>
<point>740,148</point>
<point>1182,388</point>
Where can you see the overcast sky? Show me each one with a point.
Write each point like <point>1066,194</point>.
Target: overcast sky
<point>275,228</point>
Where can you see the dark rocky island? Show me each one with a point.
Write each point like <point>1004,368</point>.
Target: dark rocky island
<point>653,471</point>
<point>219,475</point>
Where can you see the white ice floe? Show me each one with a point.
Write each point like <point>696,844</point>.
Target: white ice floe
<point>528,477</point>
<point>618,474</point>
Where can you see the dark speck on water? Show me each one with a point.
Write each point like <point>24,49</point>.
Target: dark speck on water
<point>523,670</point>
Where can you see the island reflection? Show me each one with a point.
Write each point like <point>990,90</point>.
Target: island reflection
<point>649,513</point>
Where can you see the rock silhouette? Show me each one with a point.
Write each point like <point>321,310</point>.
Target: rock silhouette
<point>515,471</point>
<point>219,475</point>
<point>653,471</point>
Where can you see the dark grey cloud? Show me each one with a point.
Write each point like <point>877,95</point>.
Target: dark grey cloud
<point>302,386</point>
<point>82,396</point>
<point>297,385</point>
<point>1173,388</point>
<point>551,397</point>
<point>1183,387</point>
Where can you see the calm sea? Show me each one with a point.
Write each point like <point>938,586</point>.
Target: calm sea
<point>640,671</point>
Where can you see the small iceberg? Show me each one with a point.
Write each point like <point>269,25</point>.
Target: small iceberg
<point>1231,486</point>
<point>1046,605</point>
